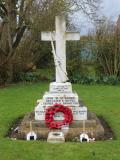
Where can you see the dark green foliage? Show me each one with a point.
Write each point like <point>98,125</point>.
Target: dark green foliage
<point>32,77</point>
<point>39,75</point>
<point>3,75</point>
<point>73,58</point>
<point>112,80</point>
<point>74,77</point>
<point>29,77</point>
<point>90,80</point>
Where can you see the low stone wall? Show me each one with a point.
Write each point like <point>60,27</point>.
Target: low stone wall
<point>92,127</point>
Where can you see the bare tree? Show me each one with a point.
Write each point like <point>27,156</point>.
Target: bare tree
<point>108,47</point>
<point>13,25</point>
<point>18,15</point>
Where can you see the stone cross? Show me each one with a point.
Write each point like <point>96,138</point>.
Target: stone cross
<point>60,36</point>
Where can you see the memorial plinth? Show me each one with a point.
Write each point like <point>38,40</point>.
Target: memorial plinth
<point>61,93</point>
<point>92,126</point>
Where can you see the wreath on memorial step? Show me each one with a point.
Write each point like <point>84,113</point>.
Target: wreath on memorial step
<point>50,112</point>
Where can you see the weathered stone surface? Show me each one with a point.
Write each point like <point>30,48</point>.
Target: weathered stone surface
<point>40,111</point>
<point>67,99</point>
<point>79,113</point>
<point>56,137</point>
<point>61,93</point>
<point>92,127</point>
<point>60,87</point>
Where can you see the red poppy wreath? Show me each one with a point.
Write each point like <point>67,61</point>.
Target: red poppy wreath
<point>51,111</point>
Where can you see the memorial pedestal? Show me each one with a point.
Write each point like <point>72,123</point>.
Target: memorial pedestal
<point>83,121</point>
<point>61,93</point>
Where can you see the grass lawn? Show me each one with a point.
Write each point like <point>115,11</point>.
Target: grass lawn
<point>20,99</point>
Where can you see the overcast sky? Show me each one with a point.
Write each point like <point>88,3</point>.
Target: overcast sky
<point>109,8</point>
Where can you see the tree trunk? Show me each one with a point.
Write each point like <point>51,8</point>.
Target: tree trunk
<point>10,72</point>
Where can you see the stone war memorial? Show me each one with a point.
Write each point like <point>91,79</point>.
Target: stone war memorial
<point>60,115</point>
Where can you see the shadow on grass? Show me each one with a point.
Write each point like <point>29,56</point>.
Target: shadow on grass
<point>109,133</point>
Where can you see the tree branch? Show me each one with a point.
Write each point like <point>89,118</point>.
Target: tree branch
<point>19,37</point>
<point>2,6</point>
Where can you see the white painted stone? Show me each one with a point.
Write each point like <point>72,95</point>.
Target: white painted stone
<point>79,113</point>
<point>56,137</point>
<point>59,116</point>
<point>31,136</point>
<point>67,99</point>
<point>60,87</point>
<point>65,129</point>
<point>60,92</point>
<point>70,36</point>
<point>47,36</point>
<point>60,36</point>
<point>40,111</point>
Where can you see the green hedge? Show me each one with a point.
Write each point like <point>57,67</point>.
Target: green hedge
<point>89,80</point>
<point>80,79</point>
<point>39,75</point>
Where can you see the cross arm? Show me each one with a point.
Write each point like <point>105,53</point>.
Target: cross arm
<point>69,36</point>
<point>48,36</point>
<point>72,36</point>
